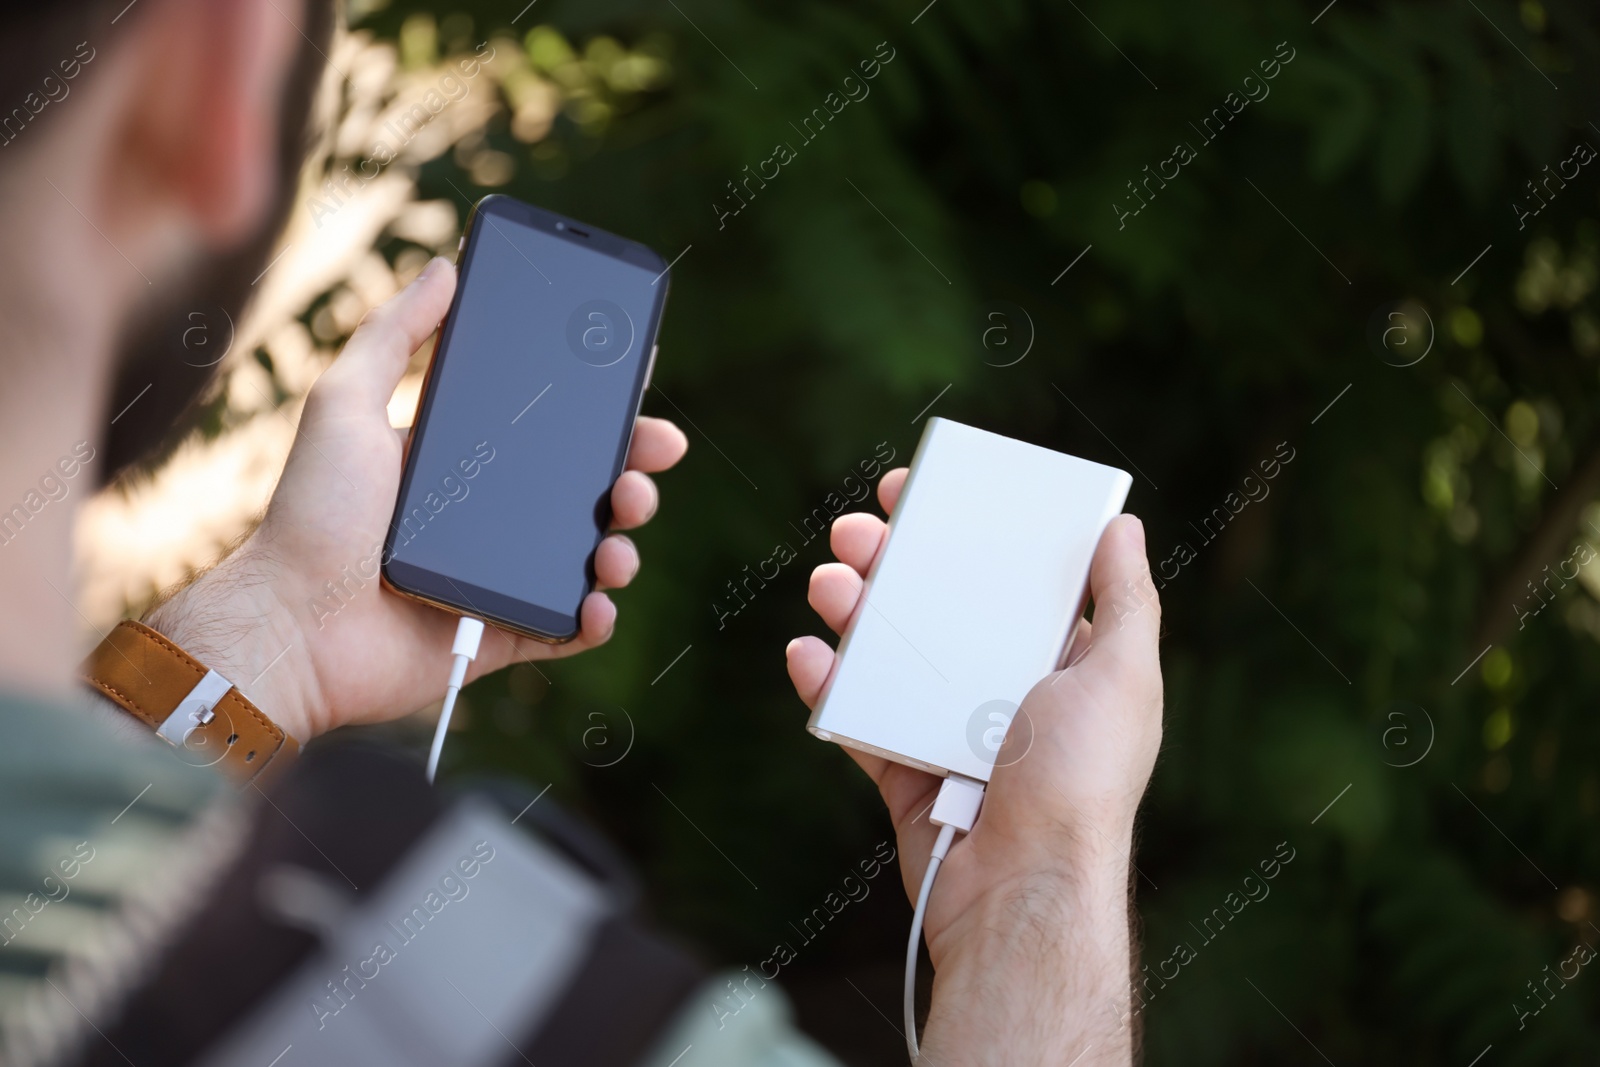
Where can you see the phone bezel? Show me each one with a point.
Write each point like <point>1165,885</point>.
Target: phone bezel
<point>417,583</point>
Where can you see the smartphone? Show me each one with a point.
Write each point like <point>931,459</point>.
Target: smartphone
<point>525,419</point>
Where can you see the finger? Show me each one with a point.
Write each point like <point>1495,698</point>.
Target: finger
<point>373,361</point>
<point>657,445</point>
<point>834,592</point>
<point>1082,638</point>
<point>889,487</point>
<point>1127,610</point>
<point>810,659</point>
<point>633,500</point>
<point>597,621</point>
<point>856,538</point>
<point>616,562</point>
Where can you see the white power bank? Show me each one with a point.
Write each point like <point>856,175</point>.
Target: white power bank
<point>974,598</point>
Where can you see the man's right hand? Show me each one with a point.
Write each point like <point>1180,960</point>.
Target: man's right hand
<point>1028,925</point>
<point>296,615</point>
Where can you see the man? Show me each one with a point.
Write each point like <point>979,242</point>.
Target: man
<point>147,155</point>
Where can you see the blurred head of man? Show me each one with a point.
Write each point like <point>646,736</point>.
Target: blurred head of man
<point>154,146</point>
<point>148,156</point>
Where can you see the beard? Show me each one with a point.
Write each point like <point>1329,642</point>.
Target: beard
<point>169,355</point>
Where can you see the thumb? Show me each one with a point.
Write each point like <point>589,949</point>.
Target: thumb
<point>1127,611</point>
<point>375,358</point>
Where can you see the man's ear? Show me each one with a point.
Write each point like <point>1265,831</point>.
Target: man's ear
<point>201,120</point>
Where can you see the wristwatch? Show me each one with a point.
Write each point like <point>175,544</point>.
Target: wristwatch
<point>190,706</point>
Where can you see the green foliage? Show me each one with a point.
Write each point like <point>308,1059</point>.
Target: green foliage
<point>1197,335</point>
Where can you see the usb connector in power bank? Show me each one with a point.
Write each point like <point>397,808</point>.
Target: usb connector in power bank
<point>974,598</point>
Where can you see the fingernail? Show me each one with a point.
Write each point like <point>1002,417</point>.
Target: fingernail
<point>788,650</point>
<point>432,268</point>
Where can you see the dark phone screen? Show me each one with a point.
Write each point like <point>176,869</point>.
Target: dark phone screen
<point>534,388</point>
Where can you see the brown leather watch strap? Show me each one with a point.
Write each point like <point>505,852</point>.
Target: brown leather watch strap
<point>199,711</point>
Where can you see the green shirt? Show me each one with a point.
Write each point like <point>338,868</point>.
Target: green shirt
<point>108,843</point>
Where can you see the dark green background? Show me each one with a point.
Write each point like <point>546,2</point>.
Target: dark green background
<point>1387,556</point>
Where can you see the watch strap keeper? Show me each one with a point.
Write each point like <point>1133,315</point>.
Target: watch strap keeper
<point>195,709</point>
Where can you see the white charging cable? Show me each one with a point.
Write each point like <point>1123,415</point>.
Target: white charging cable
<point>955,810</point>
<point>469,632</point>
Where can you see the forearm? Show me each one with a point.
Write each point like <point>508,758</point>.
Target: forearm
<point>231,620</point>
<point>1039,974</point>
